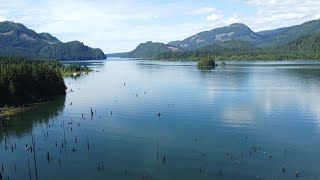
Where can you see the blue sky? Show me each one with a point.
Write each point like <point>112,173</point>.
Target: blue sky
<point>119,26</point>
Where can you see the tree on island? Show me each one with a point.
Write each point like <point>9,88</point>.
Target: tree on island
<point>206,63</point>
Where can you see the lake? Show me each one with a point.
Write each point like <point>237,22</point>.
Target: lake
<point>161,120</point>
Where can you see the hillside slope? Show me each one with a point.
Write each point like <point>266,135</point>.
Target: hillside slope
<point>150,50</point>
<point>233,32</point>
<point>18,40</point>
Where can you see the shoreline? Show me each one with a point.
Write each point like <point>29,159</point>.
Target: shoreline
<point>10,111</point>
<point>7,112</point>
<point>83,70</point>
<point>77,73</point>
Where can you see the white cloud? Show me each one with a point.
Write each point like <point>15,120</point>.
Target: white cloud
<point>211,13</point>
<point>3,19</point>
<point>205,11</point>
<point>235,18</point>
<point>274,14</point>
<point>214,17</point>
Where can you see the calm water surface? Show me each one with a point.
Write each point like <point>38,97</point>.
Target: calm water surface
<point>247,120</point>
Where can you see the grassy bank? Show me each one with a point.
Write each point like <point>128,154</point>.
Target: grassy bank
<point>8,112</point>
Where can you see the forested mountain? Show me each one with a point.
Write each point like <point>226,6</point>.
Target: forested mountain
<point>234,45</point>
<point>286,35</point>
<point>49,37</point>
<point>269,33</point>
<point>150,49</point>
<point>74,50</point>
<point>233,32</point>
<point>307,48</point>
<point>310,43</point>
<point>18,40</point>
<point>239,37</point>
<point>241,32</point>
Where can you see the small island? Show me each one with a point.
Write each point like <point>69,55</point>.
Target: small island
<point>206,63</point>
<point>25,81</point>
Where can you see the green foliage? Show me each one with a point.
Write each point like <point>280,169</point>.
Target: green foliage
<point>16,39</point>
<point>206,63</point>
<point>26,81</point>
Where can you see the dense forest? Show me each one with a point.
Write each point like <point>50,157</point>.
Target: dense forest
<point>24,81</point>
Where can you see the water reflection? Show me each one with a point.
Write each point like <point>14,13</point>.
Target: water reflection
<point>206,118</point>
<point>39,114</point>
<point>309,75</point>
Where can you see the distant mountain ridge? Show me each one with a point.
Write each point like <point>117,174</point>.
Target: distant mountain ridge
<point>237,34</point>
<point>286,35</point>
<point>304,48</point>
<point>236,31</point>
<point>17,40</point>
